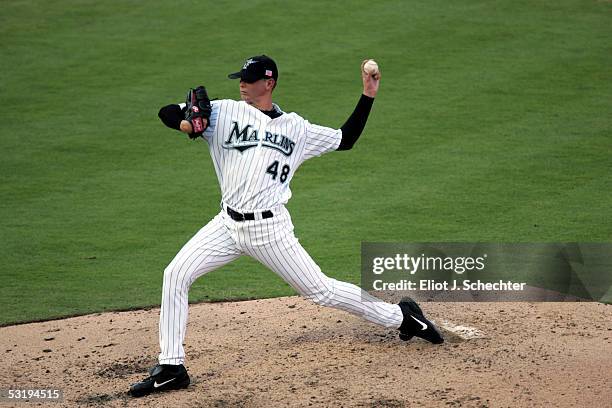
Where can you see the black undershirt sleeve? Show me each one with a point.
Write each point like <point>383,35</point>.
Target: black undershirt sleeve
<point>351,130</point>
<point>172,115</point>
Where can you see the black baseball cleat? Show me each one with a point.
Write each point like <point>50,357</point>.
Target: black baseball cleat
<point>415,323</point>
<point>162,377</point>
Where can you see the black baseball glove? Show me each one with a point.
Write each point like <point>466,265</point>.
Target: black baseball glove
<point>198,109</point>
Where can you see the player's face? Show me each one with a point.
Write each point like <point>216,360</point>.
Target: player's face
<point>251,93</point>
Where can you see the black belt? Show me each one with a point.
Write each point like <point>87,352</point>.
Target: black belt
<point>236,216</point>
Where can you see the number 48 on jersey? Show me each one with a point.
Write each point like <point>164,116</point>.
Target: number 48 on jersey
<point>273,170</point>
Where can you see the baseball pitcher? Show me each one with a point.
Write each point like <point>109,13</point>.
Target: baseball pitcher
<point>256,148</point>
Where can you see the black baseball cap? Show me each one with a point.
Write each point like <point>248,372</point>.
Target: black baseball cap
<point>256,68</point>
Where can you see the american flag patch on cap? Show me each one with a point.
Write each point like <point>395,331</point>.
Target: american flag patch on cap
<point>268,72</point>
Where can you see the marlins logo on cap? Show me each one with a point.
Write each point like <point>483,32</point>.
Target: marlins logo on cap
<point>256,68</point>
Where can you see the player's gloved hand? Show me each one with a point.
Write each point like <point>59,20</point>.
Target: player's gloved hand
<point>198,111</point>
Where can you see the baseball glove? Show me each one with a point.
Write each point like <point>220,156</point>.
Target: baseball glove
<point>198,109</point>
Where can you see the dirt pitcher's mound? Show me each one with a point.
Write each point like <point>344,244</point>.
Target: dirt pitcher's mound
<point>288,352</point>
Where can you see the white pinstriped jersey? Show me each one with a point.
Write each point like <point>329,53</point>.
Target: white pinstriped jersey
<point>255,156</point>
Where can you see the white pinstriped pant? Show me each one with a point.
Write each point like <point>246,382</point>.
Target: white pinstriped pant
<point>271,242</point>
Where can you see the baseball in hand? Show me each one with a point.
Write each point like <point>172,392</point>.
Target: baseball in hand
<point>370,67</point>
<point>186,126</point>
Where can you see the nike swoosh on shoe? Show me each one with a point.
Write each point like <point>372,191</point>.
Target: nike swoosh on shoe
<point>156,385</point>
<point>423,325</point>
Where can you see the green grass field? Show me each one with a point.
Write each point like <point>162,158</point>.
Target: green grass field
<point>493,124</point>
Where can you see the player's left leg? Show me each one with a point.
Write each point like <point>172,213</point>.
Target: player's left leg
<point>211,247</point>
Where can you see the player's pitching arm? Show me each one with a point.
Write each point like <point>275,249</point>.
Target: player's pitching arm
<point>352,128</point>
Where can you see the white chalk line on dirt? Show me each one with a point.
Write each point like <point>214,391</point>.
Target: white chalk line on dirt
<point>465,332</point>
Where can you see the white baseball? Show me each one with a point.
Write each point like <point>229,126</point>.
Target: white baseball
<point>370,67</point>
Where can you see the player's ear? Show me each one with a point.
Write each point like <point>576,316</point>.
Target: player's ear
<point>271,84</point>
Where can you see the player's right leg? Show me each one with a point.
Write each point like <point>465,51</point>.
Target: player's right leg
<point>211,247</point>
<point>273,243</point>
